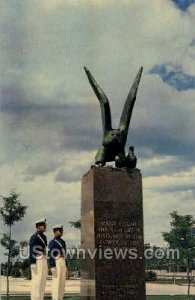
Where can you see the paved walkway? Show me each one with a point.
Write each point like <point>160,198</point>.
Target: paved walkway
<point>167,289</point>
<point>22,286</point>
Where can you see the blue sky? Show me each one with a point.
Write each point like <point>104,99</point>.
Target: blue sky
<point>50,118</point>
<point>174,76</point>
<point>183,4</point>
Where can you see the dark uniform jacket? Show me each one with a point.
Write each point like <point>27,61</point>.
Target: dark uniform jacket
<point>38,246</point>
<point>57,247</point>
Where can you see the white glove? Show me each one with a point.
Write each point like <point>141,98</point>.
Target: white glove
<point>53,271</point>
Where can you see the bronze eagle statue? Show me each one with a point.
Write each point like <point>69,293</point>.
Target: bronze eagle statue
<point>114,140</point>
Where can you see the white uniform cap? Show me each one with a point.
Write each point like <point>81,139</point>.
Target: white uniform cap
<point>57,226</point>
<point>43,220</point>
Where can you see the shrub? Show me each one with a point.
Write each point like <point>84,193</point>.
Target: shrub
<point>150,276</point>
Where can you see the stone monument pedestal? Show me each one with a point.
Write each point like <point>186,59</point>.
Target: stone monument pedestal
<point>112,235</point>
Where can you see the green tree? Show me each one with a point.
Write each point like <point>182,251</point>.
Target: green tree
<point>24,264</point>
<point>73,260</point>
<point>179,238</point>
<point>74,263</point>
<point>76,224</point>
<point>11,211</point>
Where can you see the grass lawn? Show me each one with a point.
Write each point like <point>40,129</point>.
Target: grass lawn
<point>170,297</point>
<point>77,298</point>
<point>28,298</point>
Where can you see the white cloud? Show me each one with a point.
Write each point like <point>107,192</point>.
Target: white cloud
<point>46,45</point>
<point>59,203</point>
<point>160,200</point>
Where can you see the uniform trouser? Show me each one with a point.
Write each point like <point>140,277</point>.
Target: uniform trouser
<point>58,279</point>
<point>39,277</point>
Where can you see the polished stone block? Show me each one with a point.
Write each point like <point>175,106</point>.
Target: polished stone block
<point>112,225</point>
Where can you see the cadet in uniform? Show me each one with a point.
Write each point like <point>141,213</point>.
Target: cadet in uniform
<point>57,262</point>
<point>38,261</point>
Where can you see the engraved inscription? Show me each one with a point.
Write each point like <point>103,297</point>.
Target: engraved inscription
<point>118,233</point>
<point>115,199</point>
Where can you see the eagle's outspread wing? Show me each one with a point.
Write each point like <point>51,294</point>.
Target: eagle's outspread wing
<point>104,103</point>
<point>128,107</point>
